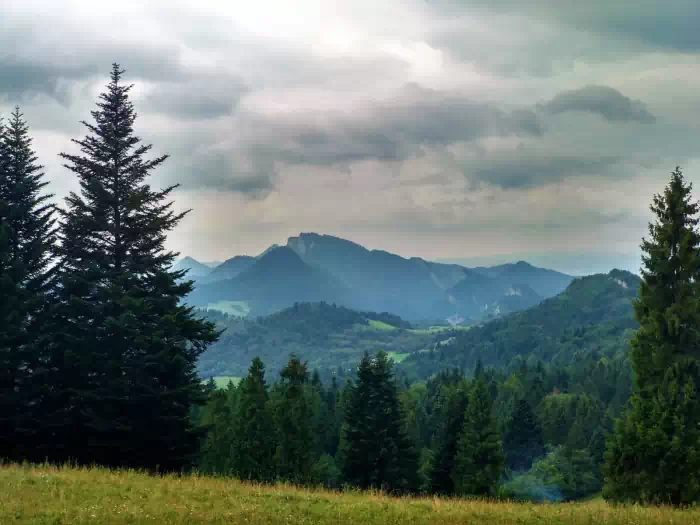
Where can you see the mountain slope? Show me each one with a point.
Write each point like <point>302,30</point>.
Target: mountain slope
<point>230,268</point>
<point>593,314</point>
<point>276,280</point>
<point>480,298</point>
<point>194,267</point>
<point>419,289</point>
<point>546,283</point>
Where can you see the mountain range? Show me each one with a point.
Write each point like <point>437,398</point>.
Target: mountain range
<point>314,267</point>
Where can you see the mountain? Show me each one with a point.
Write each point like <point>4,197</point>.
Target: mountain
<point>230,268</point>
<point>274,281</point>
<point>194,267</point>
<point>415,288</point>
<point>325,335</point>
<point>479,298</point>
<point>594,314</point>
<point>546,283</point>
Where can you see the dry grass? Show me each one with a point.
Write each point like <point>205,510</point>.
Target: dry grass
<point>47,495</point>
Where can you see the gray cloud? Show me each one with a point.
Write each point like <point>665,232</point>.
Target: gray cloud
<point>391,130</point>
<point>672,26</point>
<point>23,81</point>
<point>200,98</point>
<point>527,167</point>
<point>603,100</point>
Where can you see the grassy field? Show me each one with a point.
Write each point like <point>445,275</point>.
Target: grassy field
<point>50,496</point>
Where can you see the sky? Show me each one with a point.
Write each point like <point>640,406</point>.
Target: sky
<point>479,131</point>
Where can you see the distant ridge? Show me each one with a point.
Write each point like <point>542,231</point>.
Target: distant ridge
<point>314,266</point>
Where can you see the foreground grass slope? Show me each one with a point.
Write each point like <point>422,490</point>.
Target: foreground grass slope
<point>47,495</point>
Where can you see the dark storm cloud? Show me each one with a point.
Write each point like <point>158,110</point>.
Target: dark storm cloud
<point>605,101</point>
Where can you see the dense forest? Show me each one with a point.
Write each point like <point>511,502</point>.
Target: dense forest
<point>550,420</point>
<point>592,391</point>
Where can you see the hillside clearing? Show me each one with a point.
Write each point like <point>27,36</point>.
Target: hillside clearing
<point>398,356</point>
<point>48,495</point>
<point>380,325</point>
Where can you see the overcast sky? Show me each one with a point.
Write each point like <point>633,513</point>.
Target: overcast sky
<point>497,129</point>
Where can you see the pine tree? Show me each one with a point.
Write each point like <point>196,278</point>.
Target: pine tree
<point>452,410</point>
<point>376,450</point>
<point>125,345</point>
<point>523,440</point>
<point>28,278</point>
<point>654,454</point>
<point>293,456</point>
<point>480,459</point>
<point>254,445</point>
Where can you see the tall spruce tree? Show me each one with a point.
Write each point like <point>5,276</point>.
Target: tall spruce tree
<point>480,458</point>
<point>654,454</point>
<point>28,278</point>
<point>523,439</point>
<point>452,409</point>
<point>254,440</point>
<point>293,457</point>
<point>125,345</point>
<point>376,449</point>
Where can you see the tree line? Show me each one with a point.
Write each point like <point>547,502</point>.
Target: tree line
<point>535,433</point>
<point>98,356</point>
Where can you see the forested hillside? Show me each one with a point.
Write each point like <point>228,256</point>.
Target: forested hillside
<point>594,314</point>
<point>328,336</point>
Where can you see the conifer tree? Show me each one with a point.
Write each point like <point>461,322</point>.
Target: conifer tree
<point>480,459</point>
<point>376,450</point>
<point>452,410</point>
<point>29,238</point>
<point>293,456</point>
<point>523,440</point>
<point>217,419</point>
<point>254,444</point>
<point>319,415</point>
<point>654,454</point>
<point>334,420</point>
<point>125,345</point>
